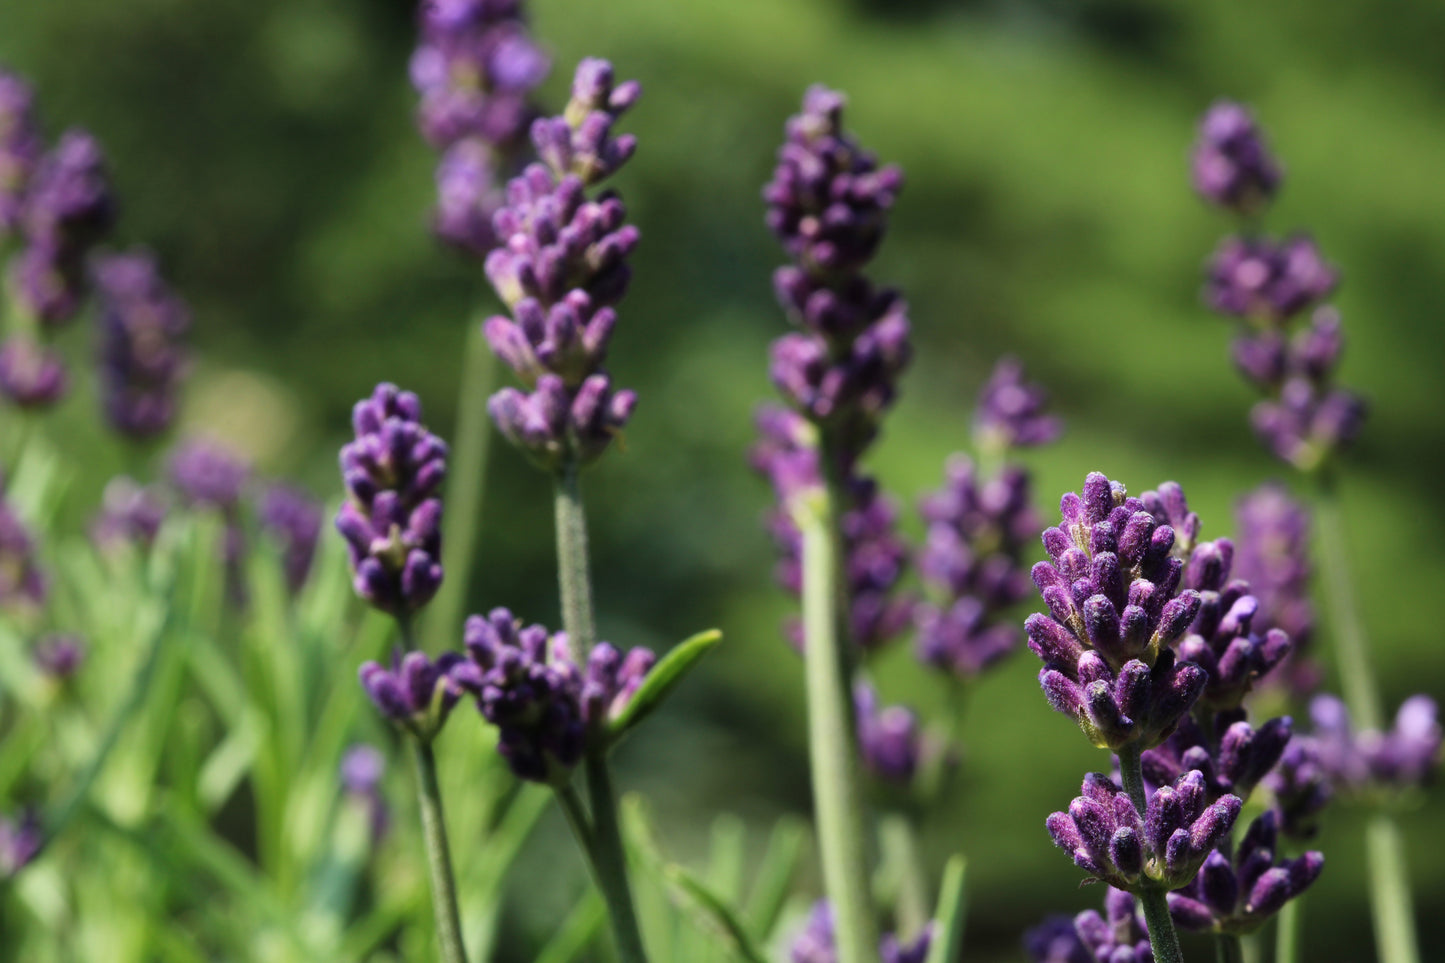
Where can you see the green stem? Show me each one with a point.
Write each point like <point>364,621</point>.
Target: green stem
<point>438,855</point>
<point>602,840</point>
<point>1287,931</point>
<point>1154,901</point>
<point>1227,949</point>
<point>832,734</point>
<point>465,485</point>
<point>1390,899</point>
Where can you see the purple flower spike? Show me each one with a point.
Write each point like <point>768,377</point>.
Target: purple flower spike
<point>1234,761</point>
<point>59,656</point>
<point>69,203</point>
<point>130,514</point>
<point>888,737</point>
<point>294,518</point>
<point>1232,168</point>
<point>1272,555</point>
<point>1372,762</point>
<point>1010,411</point>
<point>21,582</point>
<point>391,521</point>
<point>1305,422</point>
<point>549,710</point>
<point>580,142</point>
<point>1237,896</point>
<point>1056,941</point>
<point>1119,935</point>
<point>1301,788</point>
<point>208,474</point>
<point>20,842</point>
<point>415,692</point>
<point>1107,837</point>
<point>142,324</point>
<point>816,941</point>
<point>32,376</point>
<point>1268,281</point>
<point>20,148</point>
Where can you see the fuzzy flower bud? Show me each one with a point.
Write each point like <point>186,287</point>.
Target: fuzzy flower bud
<point>1272,555</point>
<point>414,692</point>
<point>1269,281</point>
<point>21,582</point>
<point>1010,411</point>
<point>208,474</point>
<point>888,737</point>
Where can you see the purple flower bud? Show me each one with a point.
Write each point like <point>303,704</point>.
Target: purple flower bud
<point>1010,411</point>
<point>32,376</point>
<point>1273,557</point>
<point>888,737</point>
<point>1056,941</point>
<point>1231,166</point>
<point>208,474</point>
<point>141,360</point>
<point>20,842</point>
<point>580,142</point>
<point>392,519</point>
<point>1236,896</point>
<point>293,517</point>
<point>1305,423</point>
<point>69,203</point>
<point>1369,761</point>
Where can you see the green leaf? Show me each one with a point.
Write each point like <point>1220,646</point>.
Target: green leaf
<point>774,881</point>
<point>576,931</point>
<point>712,911</point>
<point>665,675</point>
<point>947,944</point>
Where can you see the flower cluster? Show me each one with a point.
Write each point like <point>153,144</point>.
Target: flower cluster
<point>1118,935</point>
<point>549,710</point>
<point>816,941</point>
<point>1268,284</point>
<point>414,692</point>
<point>475,68</point>
<point>293,518</point>
<point>1237,895</point>
<point>888,737</point>
<point>1300,788</point>
<point>130,514</point>
<point>141,360</point>
<point>1231,165</point>
<point>207,474</point>
<point>1272,555</point>
<point>1373,761</point>
<point>20,148</point>
<point>392,518</point>
<point>21,581</point>
<point>1107,837</point>
<point>1234,763</point>
<point>1012,412</point>
<point>561,267</point>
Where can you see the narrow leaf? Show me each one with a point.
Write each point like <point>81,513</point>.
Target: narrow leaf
<point>711,911</point>
<point>947,943</point>
<point>576,931</point>
<point>663,678</point>
<point>774,881</point>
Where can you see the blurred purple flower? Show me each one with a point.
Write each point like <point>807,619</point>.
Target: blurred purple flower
<point>1231,165</point>
<point>142,324</point>
<point>293,517</point>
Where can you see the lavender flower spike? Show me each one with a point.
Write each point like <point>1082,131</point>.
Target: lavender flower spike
<point>294,518</point>
<point>815,942</point>
<point>1272,555</point>
<point>1238,895</point>
<point>20,147</point>
<point>888,737</point>
<point>1232,167</point>
<point>1371,762</point>
<point>207,473</point>
<point>141,360</point>
<point>415,692</point>
<point>1119,935</point>
<point>392,518</point>
<point>1010,411</point>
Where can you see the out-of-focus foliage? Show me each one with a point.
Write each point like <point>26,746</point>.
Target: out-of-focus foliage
<point>265,148</point>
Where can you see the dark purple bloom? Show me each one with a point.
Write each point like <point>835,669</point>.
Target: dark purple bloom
<point>20,842</point>
<point>414,692</point>
<point>561,267</point>
<point>391,520</point>
<point>973,560</point>
<point>130,514</point>
<point>1164,847</point>
<point>142,324</point>
<point>293,517</point>
<point>21,581</point>
<point>816,941</point>
<point>59,655</point>
<point>20,147</point>
<point>1011,411</point>
<point>1232,756</point>
<point>888,736</point>
<point>31,375</point>
<point>468,196</point>
<point>1301,788</point>
<point>1231,166</point>
<point>1119,934</point>
<point>548,709</point>
<point>1268,281</point>
<point>1238,895</point>
<point>1370,761</point>
<point>208,474</point>
<point>1272,555</point>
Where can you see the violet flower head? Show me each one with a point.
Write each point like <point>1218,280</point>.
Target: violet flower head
<point>1107,837</point>
<point>1234,761</point>
<point>548,709</point>
<point>142,362</point>
<point>207,474</point>
<point>22,583</point>
<point>816,942</point>
<point>415,692</point>
<point>1272,555</point>
<point>1301,788</point>
<point>59,656</point>
<point>972,560</point>
<point>32,375</point>
<point>1112,587</point>
<point>1268,281</point>
<point>20,147</point>
<point>391,520</point>
<point>1231,165</point>
<point>293,517</point>
<point>70,204</point>
<point>21,840</point>
<point>1118,935</point>
<point>888,737</point>
<point>581,142</point>
<point>1011,411</point>
<point>1055,940</point>
<point>1306,422</point>
<point>1373,762</point>
<point>130,514</point>
<point>1237,895</point>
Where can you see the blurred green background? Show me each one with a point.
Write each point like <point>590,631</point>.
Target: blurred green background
<point>265,148</point>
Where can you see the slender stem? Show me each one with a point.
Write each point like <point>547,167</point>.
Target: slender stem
<point>603,841</point>
<point>832,733</point>
<point>1227,949</point>
<point>465,486</point>
<point>1287,931</point>
<point>1390,898</point>
<point>1357,676</point>
<point>1154,901</point>
<point>438,855</point>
